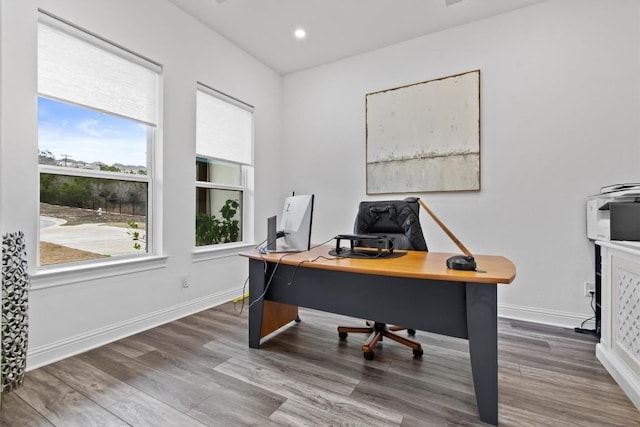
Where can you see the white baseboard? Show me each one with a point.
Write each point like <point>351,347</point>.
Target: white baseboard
<point>546,317</point>
<point>44,355</point>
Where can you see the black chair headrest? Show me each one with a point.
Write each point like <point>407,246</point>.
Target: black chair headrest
<point>399,217</point>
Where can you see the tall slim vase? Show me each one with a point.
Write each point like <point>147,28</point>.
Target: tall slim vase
<point>15,304</point>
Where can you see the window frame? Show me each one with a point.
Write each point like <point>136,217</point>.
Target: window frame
<point>153,140</point>
<point>148,179</point>
<point>243,188</point>
<point>245,171</point>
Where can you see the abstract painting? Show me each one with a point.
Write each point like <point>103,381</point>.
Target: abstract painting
<point>424,137</point>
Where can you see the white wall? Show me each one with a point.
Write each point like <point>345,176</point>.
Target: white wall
<point>72,310</point>
<point>559,118</point>
<point>560,109</point>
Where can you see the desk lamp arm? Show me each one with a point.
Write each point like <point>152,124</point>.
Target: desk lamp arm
<point>469,263</point>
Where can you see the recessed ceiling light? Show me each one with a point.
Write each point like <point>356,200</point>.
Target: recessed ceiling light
<point>300,33</point>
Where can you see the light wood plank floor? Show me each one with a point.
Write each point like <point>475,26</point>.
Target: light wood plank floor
<point>198,371</point>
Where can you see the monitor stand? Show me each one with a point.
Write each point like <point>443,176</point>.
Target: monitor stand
<point>272,234</point>
<point>272,238</point>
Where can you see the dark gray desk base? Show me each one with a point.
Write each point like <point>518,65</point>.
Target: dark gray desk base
<point>457,309</point>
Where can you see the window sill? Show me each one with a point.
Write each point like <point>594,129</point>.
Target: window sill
<point>207,253</point>
<point>50,277</point>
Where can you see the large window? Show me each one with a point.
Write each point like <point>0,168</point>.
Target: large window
<point>97,113</point>
<point>224,142</point>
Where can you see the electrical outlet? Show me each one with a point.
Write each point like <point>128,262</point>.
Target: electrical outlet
<point>589,289</point>
<point>185,283</point>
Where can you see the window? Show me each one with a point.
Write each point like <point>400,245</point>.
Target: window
<point>97,113</point>
<point>224,142</point>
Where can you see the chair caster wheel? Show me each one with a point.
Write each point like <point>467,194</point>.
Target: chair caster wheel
<point>411,332</point>
<point>417,354</point>
<point>342,335</point>
<point>368,355</point>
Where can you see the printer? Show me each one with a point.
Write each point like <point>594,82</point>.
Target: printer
<point>614,214</point>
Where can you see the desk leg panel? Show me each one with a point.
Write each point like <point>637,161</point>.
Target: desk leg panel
<point>256,303</point>
<point>482,324</point>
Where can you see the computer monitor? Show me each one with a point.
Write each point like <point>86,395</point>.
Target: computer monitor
<point>294,234</point>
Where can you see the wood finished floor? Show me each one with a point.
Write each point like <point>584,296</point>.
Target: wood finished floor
<point>198,371</point>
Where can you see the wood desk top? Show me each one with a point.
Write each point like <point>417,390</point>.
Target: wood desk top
<point>415,264</point>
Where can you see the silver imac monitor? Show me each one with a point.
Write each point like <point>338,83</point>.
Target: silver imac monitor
<point>294,233</point>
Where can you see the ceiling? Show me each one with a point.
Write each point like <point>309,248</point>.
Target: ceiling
<point>336,29</point>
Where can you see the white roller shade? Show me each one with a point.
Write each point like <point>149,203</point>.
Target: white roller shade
<point>73,69</point>
<point>224,128</point>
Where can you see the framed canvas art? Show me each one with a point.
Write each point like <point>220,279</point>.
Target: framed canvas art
<point>424,137</point>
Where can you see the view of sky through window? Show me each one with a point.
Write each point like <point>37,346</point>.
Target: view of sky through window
<point>85,135</point>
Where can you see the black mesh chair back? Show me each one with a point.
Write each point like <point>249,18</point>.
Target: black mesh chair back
<point>392,218</point>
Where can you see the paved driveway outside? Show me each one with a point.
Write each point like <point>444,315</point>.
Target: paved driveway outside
<point>98,238</point>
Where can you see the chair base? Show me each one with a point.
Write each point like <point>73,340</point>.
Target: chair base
<point>376,333</point>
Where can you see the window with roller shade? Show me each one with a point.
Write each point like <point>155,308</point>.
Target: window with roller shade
<point>224,144</point>
<point>97,116</point>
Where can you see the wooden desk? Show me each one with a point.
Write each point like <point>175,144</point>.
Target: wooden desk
<point>415,290</point>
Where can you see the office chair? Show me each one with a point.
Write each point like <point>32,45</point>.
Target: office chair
<point>398,219</point>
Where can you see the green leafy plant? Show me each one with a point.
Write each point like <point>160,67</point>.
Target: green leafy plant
<point>134,232</point>
<point>212,231</point>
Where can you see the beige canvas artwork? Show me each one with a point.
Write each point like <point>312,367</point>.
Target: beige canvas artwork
<point>425,137</point>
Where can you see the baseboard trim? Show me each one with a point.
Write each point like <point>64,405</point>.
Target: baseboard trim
<point>547,317</point>
<point>50,353</point>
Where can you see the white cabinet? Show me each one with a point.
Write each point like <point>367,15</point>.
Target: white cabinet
<point>619,347</point>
